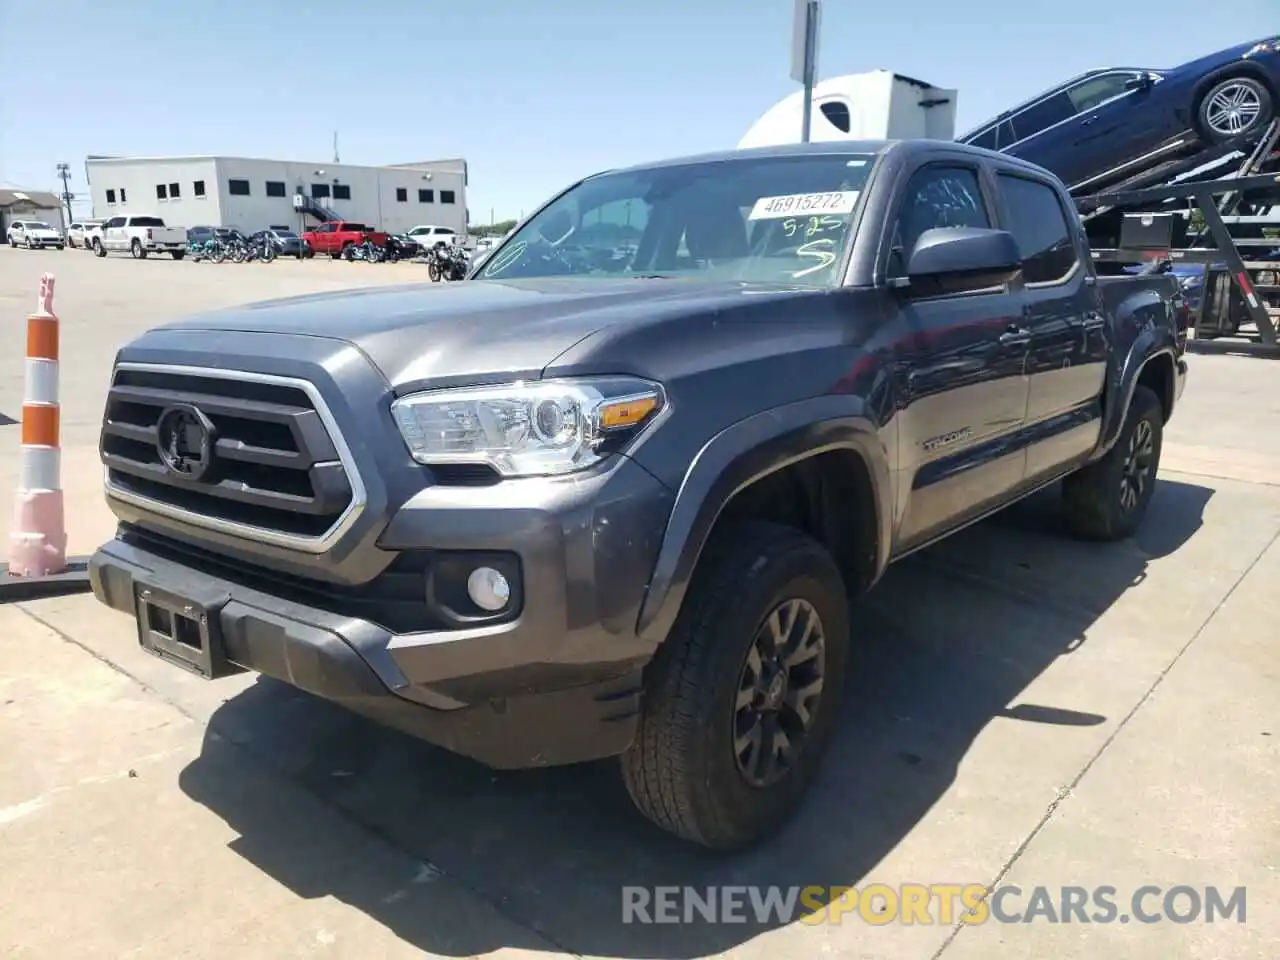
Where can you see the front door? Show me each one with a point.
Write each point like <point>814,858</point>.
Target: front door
<point>1116,124</point>
<point>113,234</point>
<point>1069,351</point>
<point>962,390</point>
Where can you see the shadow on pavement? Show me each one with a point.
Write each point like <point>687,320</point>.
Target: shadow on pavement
<point>951,637</point>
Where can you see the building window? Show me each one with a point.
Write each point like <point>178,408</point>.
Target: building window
<point>319,191</point>
<point>426,196</point>
<point>174,191</point>
<point>276,188</point>
<point>402,195</point>
<point>111,196</point>
<point>123,198</point>
<point>198,186</point>
<point>341,191</point>
<point>160,192</point>
<point>238,188</point>
<point>447,196</point>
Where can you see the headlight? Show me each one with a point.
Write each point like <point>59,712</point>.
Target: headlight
<point>1266,46</point>
<point>528,429</point>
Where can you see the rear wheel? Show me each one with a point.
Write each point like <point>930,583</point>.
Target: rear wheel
<point>1234,107</point>
<point>1108,499</point>
<point>742,697</point>
<point>179,254</point>
<point>138,251</point>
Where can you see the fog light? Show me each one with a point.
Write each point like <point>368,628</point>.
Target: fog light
<point>488,589</point>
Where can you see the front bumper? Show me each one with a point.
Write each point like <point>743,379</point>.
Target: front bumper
<point>316,651</point>
<point>555,681</point>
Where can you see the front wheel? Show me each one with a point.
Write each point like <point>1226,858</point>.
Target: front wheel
<point>743,695</point>
<point>1234,107</point>
<point>1108,499</point>
<point>98,249</point>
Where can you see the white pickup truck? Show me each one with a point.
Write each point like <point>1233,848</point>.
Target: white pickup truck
<point>139,236</point>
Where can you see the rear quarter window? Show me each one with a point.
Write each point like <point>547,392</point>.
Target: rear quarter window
<point>1038,223</point>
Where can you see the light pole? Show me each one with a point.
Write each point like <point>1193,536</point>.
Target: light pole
<point>64,174</point>
<point>804,54</point>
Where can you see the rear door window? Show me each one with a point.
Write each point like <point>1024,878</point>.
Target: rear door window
<point>1037,222</point>
<point>1040,116</point>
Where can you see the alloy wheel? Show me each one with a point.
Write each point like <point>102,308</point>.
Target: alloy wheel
<point>1136,473</point>
<point>1233,109</point>
<point>778,692</point>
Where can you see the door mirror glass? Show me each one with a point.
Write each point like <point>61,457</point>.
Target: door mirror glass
<point>949,260</point>
<point>1140,82</point>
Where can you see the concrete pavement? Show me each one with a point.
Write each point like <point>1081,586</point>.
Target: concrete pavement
<point>1029,710</point>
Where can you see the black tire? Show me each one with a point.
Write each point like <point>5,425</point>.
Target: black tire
<point>683,769</point>
<point>1108,499</point>
<point>59,246</point>
<point>178,254</point>
<point>137,250</point>
<point>1211,122</point>
<point>98,249</point>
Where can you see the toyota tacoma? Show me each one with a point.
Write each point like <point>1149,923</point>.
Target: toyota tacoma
<point>611,495</point>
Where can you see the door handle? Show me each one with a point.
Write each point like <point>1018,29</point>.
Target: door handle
<point>1088,120</point>
<point>1015,337</point>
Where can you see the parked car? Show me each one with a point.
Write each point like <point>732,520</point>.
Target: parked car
<point>139,236</point>
<point>1108,124</point>
<point>427,236</point>
<point>539,522</point>
<point>285,241</point>
<point>34,235</point>
<point>335,236</point>
<point>76,232</point>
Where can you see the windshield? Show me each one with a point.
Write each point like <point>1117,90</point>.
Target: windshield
<point>38,225</point>
<point>758,219</point>
<point>285,234</point>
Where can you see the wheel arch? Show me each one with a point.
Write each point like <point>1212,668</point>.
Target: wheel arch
<point>821,457</point>
<point>1240,68</point>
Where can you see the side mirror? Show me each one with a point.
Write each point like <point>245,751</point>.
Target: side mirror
<point>959,259</point>
<point>1141,82</point>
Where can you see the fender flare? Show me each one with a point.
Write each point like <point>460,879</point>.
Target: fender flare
<point>737,457</point>
<point>1149,345</point>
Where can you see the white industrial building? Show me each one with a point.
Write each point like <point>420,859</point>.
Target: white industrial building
<point>256,194</point>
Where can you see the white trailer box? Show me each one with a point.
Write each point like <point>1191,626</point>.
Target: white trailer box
<point>880,105</point>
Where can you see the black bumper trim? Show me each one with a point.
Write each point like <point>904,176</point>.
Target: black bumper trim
<point>306,649</point>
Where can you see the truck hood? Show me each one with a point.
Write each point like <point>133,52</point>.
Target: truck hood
<point>451,333</point>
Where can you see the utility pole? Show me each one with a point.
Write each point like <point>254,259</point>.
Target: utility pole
<point>335,146</point>
<point>64,174</point>
<point>804,54</point>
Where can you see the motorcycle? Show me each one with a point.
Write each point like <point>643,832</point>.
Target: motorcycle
<point>447,262</point>
<point>366,250</point>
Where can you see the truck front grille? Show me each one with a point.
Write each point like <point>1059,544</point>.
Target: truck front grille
<point>272,467</point>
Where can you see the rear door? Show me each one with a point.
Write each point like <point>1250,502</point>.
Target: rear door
<point>1069,349</point>
<point>1043,133</point>
<point>963,393</point>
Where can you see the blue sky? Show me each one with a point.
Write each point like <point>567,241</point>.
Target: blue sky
<point>532,94</point>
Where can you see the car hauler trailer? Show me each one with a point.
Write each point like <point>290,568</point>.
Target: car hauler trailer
<point>1198,210</point>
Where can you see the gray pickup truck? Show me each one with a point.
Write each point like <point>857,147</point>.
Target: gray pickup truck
<point>611,494</point>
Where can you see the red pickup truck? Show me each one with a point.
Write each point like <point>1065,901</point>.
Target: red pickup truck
<point>336,235</point>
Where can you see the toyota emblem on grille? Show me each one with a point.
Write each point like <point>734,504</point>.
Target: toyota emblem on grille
<point>184,439</point>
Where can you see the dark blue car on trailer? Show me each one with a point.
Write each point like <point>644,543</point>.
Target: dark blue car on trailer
<point>1104,125</point>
